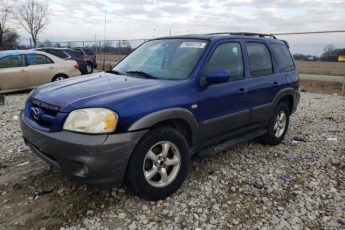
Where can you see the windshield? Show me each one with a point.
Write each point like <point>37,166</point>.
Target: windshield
<point>170,59</point>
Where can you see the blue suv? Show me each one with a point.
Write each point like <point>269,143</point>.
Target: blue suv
<point>171,98</point>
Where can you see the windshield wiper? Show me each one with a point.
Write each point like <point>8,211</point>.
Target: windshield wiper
<point>141,73</point>
<point>114,72</point>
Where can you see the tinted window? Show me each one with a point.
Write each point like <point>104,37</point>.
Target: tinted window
<point>283,57</point>
<point>260,61</point>
<point>12,61</point>
<point>73,53</point>
<point>37,59</point>
<point>89,52</point>
<point>58,53</point>
<point>227,57</point>
<point>79,51</point>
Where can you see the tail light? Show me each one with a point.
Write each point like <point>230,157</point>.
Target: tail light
<point>84,60</point>
<point>76,66</point>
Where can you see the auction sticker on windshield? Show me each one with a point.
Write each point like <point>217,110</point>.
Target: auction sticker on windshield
<point>199,45</point>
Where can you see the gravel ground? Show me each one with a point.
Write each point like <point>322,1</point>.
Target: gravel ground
<point>299,184</point>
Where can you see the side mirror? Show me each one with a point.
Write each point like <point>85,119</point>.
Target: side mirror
<point>217,76</point>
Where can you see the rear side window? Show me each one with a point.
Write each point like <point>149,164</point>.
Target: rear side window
<point>58,53</point>
<point>89,51</point>
<point>38,59</point>
<point>260,61</point>
<point>12,61</point>
<point>227,56</point>
<point>73,53</point>
<point>78,51</point>
<point>283,57</point>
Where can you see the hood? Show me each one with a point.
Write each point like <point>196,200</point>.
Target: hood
<point>96,90</point>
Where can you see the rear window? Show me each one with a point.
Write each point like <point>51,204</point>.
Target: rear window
<point>260,60</point>
<point>89,51</point>
<point>78,51</point>
<point>283,57</point>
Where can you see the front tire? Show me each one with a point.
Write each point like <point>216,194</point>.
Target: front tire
<point>278,125</point>
<point>159,164</point>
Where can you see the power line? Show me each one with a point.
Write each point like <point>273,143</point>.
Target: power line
<point>312,32</point>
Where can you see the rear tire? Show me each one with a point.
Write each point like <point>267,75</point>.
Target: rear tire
<point>277,126</point>
<point>159,164</point>
<point>59,77</point>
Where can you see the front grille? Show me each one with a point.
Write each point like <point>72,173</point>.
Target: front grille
<point>43,115</point>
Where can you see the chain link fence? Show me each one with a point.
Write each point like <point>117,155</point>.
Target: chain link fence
<point>108,52</point>
<point>318,56</point>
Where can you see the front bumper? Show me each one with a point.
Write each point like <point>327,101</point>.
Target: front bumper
<point>93,159</point>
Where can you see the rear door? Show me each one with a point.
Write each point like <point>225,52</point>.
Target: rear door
<point>285,62</point>
<point>265,81</point>
<point>41,69</point>
<point>224,107</point>
<point>13,73</point>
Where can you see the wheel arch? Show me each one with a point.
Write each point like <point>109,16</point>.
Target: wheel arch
<point>286,95</point>
<point>181,119</point>
<point>58,75</point>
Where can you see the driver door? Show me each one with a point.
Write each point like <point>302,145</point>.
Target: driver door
<point>224,107</point>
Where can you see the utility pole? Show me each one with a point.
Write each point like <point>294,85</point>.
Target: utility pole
<point>170,31</point>
<point>105,29</point>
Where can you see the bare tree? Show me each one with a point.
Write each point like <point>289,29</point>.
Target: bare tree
<point>10,39</point>
<point>33,17</point>
<point>4,11</point>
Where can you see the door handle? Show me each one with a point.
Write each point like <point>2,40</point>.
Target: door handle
<point>242,90</point>
<point>276,84</point>
<point>24,70</point>
<point>51,67</point>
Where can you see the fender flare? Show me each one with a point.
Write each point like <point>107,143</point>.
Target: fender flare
<point>285,92</point>
<point>167,114</point>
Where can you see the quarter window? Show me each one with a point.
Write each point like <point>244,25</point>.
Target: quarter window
<point>227,56</point>
<point>12,61</point>
<point>260,61</point>
<point>38,59</point>
<point>283,57</point>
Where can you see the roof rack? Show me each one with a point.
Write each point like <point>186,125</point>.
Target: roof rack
<point>246,34</point>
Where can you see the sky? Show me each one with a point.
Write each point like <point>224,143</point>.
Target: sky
<point>75,20</point>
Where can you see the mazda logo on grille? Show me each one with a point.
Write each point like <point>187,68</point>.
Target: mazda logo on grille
<point>35,112</point>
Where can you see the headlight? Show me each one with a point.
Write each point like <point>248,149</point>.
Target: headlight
<point>93,120</point>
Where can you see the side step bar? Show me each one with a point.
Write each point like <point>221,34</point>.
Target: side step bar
<point>227,144</point>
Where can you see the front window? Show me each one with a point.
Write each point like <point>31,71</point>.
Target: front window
<point>227,56</point>
<point>169,59</point>
<point>12,61</point>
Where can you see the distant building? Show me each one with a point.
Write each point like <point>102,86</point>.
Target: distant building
<point>341,58</point>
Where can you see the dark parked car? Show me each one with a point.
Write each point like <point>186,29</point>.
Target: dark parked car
<point>68,54</point>
<point>89,56</point>
<point>169,99</point>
